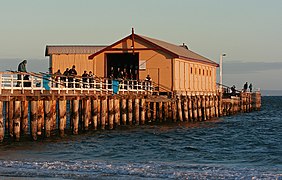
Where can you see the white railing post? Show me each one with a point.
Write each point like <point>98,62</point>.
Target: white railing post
<point>81,86</point>
<point>88,85</point>
<point>12,84</point>
<point>59,84</point>
<point>32,84</point>
<point>101,86</point>
<point>67,85</point>
<point>41,84</point>
<point>0,83</point>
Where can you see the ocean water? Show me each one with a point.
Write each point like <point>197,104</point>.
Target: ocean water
<point>245,146</point>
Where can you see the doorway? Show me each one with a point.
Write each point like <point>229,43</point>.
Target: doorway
<point>123,65</point>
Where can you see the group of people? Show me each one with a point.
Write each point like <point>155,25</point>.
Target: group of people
<point>245,88</point>
<point>123,74</point>
<point>69,75</point>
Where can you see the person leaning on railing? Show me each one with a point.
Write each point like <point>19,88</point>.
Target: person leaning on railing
<point>21,68</point>
<point>148,82</point>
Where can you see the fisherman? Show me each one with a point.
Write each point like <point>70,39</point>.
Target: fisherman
<point>251,87</point>
<point>245,87</point>
<point>58,75</point>
<point>148,82</point>
<point>72,73</point>
<point>233,90</point>
<point>84,79</point>
<point>21,68</point>
<point>91,79</point>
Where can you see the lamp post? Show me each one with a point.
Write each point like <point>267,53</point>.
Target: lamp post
<point>220,71</point>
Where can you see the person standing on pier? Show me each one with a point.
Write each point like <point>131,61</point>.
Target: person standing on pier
<point>21,68</point>
<point>251,87</point>
<point>72,73</point>
<point>245,87</point>
<point>84,79</point>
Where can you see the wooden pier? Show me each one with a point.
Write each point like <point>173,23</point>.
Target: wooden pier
<point>39,113</point>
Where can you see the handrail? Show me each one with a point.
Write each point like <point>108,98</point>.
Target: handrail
<point>33,81</point>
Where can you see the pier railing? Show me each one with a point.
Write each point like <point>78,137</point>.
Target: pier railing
<point>11,81</point>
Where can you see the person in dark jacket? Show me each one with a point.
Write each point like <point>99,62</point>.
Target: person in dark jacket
<point>84,79</point>
<point>72,73</point>
<point>21,68</point>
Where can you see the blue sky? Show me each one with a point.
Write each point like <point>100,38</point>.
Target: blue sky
<point>248,31</point>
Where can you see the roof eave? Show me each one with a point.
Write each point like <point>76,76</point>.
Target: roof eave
<point>199,60</point>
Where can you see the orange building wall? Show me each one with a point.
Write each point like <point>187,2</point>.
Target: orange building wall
<point>194,77</point>
<point>188,76</point>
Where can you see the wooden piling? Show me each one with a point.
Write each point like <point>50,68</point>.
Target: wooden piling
<point>94,113</point>
<point>216,106</point>
<point>123,110</point>
<point>6,115</point>
<point>103,112</point>
<point>203,102</point>
<point>40,118</point>
<point>149,113</point>
<point>160,111</point>
<point>154,111</point>
<point>54,115</point>
<point>185,108</point>
<point>33,119</point>
<point>130,110</point>
<point>169,110</point>
<point>207,107</point>
<point>85,115</point>
<point>199,109</point>
<point>165,111</point>
<point>99,102</point>
<point>62,116</point>
<point>17,120</point>
<point>136,111</point>
<point>24,117</point>
<point>143,110</point>
<point>75,116</point>
<point>2,131</point>
<point>190,108</point>
<point>111,113</point>
<point>174,111</point>
<point>179,108</point>
<point>48,117</point>
<point>117,111</point>
<point>212,106</point>
<point>195,115</point>
<point>10,118</point>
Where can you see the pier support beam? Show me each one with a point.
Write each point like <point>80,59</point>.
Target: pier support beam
<point>24,117</point>
<point>111,113</point>
<point>48,118</point>
<point>2,132</point>
<point>33,119</point>
<point>63,116</point>
<point>136,110</point>
<point>17,120</point>
<point>143,110</point>
<point>75,116</point>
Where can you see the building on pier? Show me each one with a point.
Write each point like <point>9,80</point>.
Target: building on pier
<point>172,67</point>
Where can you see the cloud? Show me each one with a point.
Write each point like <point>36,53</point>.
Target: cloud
<point>249,67</point>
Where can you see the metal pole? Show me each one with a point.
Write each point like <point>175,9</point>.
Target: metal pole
<point>220,72</point>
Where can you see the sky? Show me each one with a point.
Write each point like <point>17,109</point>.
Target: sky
<point>248,31</point>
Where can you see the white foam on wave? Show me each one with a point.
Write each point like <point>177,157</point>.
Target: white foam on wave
<point>95,169</point>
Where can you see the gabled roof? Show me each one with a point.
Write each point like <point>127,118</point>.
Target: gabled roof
<point>72,49</point>
<point>181,51</point>
<point>174,50</point>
